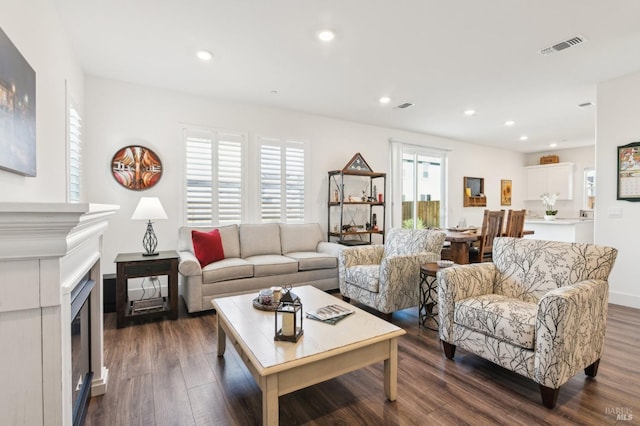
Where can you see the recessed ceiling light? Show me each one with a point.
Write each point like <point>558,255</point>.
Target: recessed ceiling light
<point>470,112</point>
<point>524,137</point>
<point>553,144</point>
<point>509,123</point>
<point>326,35</point>
<point>385,100</point>
<point>204,55</point>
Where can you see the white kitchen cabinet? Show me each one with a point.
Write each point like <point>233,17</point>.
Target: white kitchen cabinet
<point>551,178</point>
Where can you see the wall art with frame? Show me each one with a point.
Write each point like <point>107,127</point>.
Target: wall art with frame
<point>629,172</point>
<point>17,110</point>
<point>505,192</point>
<point>136,167</point>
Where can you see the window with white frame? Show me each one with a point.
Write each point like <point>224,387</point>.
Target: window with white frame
<point>74,158</point>
<point>225,185</point>
<point>282,180</point>
<point>214,177</point>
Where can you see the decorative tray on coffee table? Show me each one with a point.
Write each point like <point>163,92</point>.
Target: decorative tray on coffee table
<point>270,307</point>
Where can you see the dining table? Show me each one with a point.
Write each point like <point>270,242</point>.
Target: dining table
<point>460,241</point>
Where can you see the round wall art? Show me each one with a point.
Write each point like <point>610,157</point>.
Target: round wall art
<point>136,167</point>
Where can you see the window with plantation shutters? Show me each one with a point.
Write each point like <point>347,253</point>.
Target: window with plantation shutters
<point>74,155</point>
<point>214,177</point>
<point>282,181</point>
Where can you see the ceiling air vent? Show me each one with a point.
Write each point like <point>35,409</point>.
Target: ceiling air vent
<point>405,105</point>
<point>573,41</point>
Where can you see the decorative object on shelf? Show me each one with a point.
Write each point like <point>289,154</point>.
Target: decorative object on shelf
<point>549,201</point>
<point>18,111</point>
<point>629,172</point>
<point>136,167</point>
<point>149,208</point>
<point>549,159</point>
<point>288,317</point>
<point>505,192</point>
<point>357,164</point>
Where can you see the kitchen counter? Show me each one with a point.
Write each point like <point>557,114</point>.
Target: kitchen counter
<point>573,230</point>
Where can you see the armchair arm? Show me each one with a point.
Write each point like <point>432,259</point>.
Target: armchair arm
<point>570,327</point>
<point>360,255</point>
<point>188,264</point>
<point>460,282</point>
<point>398,281</point>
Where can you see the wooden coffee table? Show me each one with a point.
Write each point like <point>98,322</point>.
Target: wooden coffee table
<point>325,351</point>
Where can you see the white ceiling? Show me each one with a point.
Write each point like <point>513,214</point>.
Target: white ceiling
<point>445,56</point>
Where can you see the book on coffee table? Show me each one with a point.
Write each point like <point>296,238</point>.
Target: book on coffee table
<point>330,314</point>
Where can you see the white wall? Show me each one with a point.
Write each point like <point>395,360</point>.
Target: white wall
<point>617,124</point>
<point>34,28</point>
<point>581,158</point>
<point>118,114</point>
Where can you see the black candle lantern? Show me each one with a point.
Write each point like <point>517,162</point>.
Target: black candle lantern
<point>288,317</point>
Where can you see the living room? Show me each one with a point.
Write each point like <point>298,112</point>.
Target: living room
<point>119,113</point>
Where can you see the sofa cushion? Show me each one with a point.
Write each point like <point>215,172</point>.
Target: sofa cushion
<point>366,277</point>
<point>259,239</point>
<point>269,264</point>
<point>300,237</point>
<point>227,269</point>
<point>310,260</point>
<point>207,246</point>
<point>507,319</point>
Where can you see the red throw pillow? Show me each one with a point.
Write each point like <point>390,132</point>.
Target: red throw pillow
<point>207,246</point>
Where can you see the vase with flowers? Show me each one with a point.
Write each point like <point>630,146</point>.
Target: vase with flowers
<point>549,201</point>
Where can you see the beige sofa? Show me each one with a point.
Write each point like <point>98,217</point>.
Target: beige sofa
<point>257,256</point>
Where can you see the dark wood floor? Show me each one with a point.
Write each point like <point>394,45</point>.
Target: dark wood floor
<point>167,373</point>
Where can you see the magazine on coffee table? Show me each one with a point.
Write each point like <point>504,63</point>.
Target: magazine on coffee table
<point>330,314</point>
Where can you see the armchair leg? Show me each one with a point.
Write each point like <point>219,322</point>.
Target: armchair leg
<point>549,396</point>
<point>346,299</point>
<point>592,370</point>
<point>449,349</point>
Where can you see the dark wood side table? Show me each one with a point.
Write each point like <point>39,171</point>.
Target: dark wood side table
<point>135,265</point>
<point>428,288</point>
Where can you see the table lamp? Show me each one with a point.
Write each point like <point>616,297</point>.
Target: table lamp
<point>149,208</point>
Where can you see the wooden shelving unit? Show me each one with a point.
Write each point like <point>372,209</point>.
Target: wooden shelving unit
<point>375,208</point>
<point>471,190</point>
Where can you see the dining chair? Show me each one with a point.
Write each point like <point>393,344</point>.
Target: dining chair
<point>491,228</point>
<point>515,223</point>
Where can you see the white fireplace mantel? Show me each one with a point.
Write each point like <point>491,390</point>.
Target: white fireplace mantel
<point>45,250</point>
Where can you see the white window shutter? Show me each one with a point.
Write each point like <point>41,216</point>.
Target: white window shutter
<point>282,181</point>
<point>214,166</point>
<point>75,155</point>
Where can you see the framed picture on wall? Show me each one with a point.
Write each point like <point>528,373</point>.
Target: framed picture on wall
<point>629,172</point>
<point>17,110</point>
<point>505,192</point>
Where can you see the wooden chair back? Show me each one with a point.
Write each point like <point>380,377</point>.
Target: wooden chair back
<point>515,223</point>
<point>491,228</point>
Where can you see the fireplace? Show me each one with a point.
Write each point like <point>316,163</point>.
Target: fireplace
<point>81,373</point>
<point>51,312</point>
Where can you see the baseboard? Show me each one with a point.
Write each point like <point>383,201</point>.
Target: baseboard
<point>624,299</point>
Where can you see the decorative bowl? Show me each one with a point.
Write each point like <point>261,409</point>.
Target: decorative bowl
<point>445,263</point>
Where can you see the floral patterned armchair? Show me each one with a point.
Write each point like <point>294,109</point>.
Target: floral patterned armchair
<point>539,309</point>
<point>387,277</point>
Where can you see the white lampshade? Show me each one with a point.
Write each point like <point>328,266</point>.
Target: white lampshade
<point>149,208</point>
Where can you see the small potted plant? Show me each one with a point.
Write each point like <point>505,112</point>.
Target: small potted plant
<point>549,201</point>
